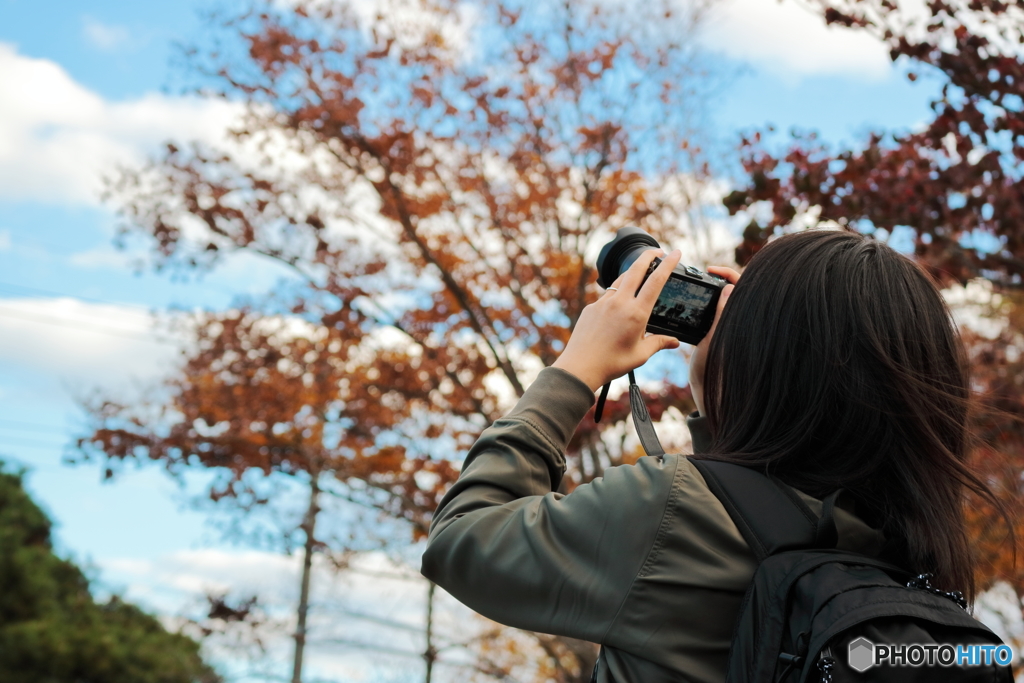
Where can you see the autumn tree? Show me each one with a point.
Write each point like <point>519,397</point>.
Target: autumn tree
<point>267,404</point>
<point>435,177</point>
<point>952,189</point>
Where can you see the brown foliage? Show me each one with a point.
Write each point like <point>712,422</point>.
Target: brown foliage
<point>266,395</point>
<point>426,181</point>
<point>998,375</point>
<point>956,179</point>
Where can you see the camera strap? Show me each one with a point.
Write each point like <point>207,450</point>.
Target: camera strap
<point>641,418</point>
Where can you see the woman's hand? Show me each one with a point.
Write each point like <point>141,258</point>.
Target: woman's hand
<point>610,337</point>
<point>700,354</point>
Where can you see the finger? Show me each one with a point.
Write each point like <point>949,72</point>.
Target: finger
<point>617,284</point>
<point>726,293</point>
<point>658,342</point>
<point>722,299</point>
<point>618,281</point>
<point>729,274</point>
<point>634,276</point>
<point>656,282</point>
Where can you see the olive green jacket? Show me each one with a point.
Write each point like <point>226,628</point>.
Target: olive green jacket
<point>644,560</point>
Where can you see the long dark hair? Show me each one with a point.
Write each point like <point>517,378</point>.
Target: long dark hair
<point>836,364</point>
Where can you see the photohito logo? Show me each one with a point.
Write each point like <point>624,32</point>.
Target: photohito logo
<point>863,654</point>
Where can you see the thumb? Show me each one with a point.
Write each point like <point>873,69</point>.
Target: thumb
<point>726,293</point>
<point>658,342</point>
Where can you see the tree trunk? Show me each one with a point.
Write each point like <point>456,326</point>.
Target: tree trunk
<point>308,526</point>
<point>430,654</point>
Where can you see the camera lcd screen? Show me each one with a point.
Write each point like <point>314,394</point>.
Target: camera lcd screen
<point>683,301</point>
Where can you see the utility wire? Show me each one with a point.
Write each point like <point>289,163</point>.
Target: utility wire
<point>22,289</point>
<point>384,574</point>
<point>30,443</point>
<point>359,645</point>
<point>64,322</point>
<point>383,621</point>
<point>28,426</point>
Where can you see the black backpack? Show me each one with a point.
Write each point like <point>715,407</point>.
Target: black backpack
<point>814,613</point>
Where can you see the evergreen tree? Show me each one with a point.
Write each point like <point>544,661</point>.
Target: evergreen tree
<point>51,628</point>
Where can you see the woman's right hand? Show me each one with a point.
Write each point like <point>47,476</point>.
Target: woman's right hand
<point>610,336</point>
<point>698,358</point>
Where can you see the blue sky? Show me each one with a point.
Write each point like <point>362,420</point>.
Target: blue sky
<point>86,84</point>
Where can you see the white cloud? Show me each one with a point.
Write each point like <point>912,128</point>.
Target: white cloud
<point>177,579</point>
<point>354,606</point>
<point>5,240</point>
<point>57,138</point>
<point>786,38</point>
<point>79,344</point>
<point>105,37</point>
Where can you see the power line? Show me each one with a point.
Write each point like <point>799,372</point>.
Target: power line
<point>64,322</point>
<point>29,443</point>
<point>35,290</point>
<point>384,574</point>
<point>28,426</point>
<point>32,428</point>
<point>359,645</point>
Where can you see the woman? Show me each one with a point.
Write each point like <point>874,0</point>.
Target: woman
<point>832,364</point>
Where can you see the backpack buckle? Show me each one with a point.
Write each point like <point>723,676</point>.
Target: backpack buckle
<point>924,582</point>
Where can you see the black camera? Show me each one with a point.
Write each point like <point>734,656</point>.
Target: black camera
<point>686,307</point>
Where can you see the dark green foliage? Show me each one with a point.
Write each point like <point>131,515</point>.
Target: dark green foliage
<point>51,629</point>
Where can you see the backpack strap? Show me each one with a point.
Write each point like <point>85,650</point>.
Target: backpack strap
<point>769,514</point>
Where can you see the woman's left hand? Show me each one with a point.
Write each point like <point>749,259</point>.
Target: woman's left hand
<point>610,336</point>
<point>700,354</point>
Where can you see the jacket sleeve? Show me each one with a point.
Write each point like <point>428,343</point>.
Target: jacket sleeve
<point>506,545</point>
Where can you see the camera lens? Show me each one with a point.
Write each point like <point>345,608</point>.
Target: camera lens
<point>621,252</point>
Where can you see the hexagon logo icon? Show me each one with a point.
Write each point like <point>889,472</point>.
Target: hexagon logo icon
<point>862,655</point>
